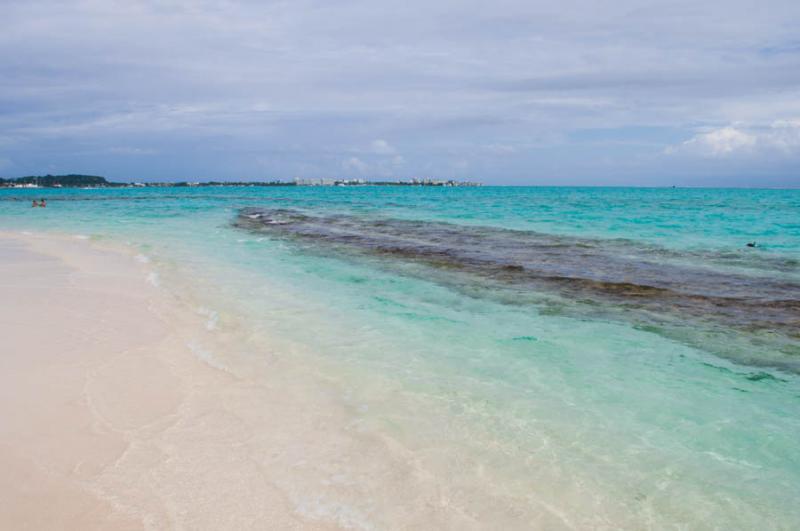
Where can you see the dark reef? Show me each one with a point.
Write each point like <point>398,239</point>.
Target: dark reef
<point>690,295</point>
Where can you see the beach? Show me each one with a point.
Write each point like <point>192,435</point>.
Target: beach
<point>401,266</point>
<point>371,359</point>
<point>97,386</point>
<point>114,416</point>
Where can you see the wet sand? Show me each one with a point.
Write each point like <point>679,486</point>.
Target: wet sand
<point>109,420</point>
<point>123,406</point>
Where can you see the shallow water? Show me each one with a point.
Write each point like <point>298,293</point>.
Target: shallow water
<point>608,357</point>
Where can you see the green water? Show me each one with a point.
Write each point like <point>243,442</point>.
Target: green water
<point>591,403</point>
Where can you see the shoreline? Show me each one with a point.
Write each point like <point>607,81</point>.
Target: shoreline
<point>105,407</point>
<point>118,413</point>
<point>147,388</point>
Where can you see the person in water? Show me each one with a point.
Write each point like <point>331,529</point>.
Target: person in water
<point>42,203</point>
<point>35,203</point>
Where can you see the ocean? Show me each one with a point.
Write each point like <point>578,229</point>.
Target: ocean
<point>607,357</point>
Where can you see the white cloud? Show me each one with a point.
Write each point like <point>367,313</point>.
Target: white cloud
<point>721,142</point>
<point>355,164</point>
<point>382,147</point>
<point>781,136</point>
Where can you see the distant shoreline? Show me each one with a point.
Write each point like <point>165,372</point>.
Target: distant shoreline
<point>95,181</point>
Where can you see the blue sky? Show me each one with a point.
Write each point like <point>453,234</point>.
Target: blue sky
<point>507,92</point>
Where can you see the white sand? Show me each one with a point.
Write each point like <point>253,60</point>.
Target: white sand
<point>108,419</point>
<point>117,412</point>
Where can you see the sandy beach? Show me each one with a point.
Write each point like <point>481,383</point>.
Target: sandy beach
<point>149,381</point>
<point>117,415</point>
<point>520,265</point>
<point>109,419</point>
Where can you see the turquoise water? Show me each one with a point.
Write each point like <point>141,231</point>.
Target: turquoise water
<point>618,356</point>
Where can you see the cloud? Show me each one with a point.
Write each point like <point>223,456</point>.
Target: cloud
<point>381,147</point>
<point>354,164</point>
<point>289,88</point>
<point>782,136</point>
<point>721,142</point>
<point>785,136</point>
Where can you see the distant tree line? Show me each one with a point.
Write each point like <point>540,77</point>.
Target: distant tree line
<point>52,181</point>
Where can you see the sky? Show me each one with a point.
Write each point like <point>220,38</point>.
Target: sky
<point>575,92</point>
